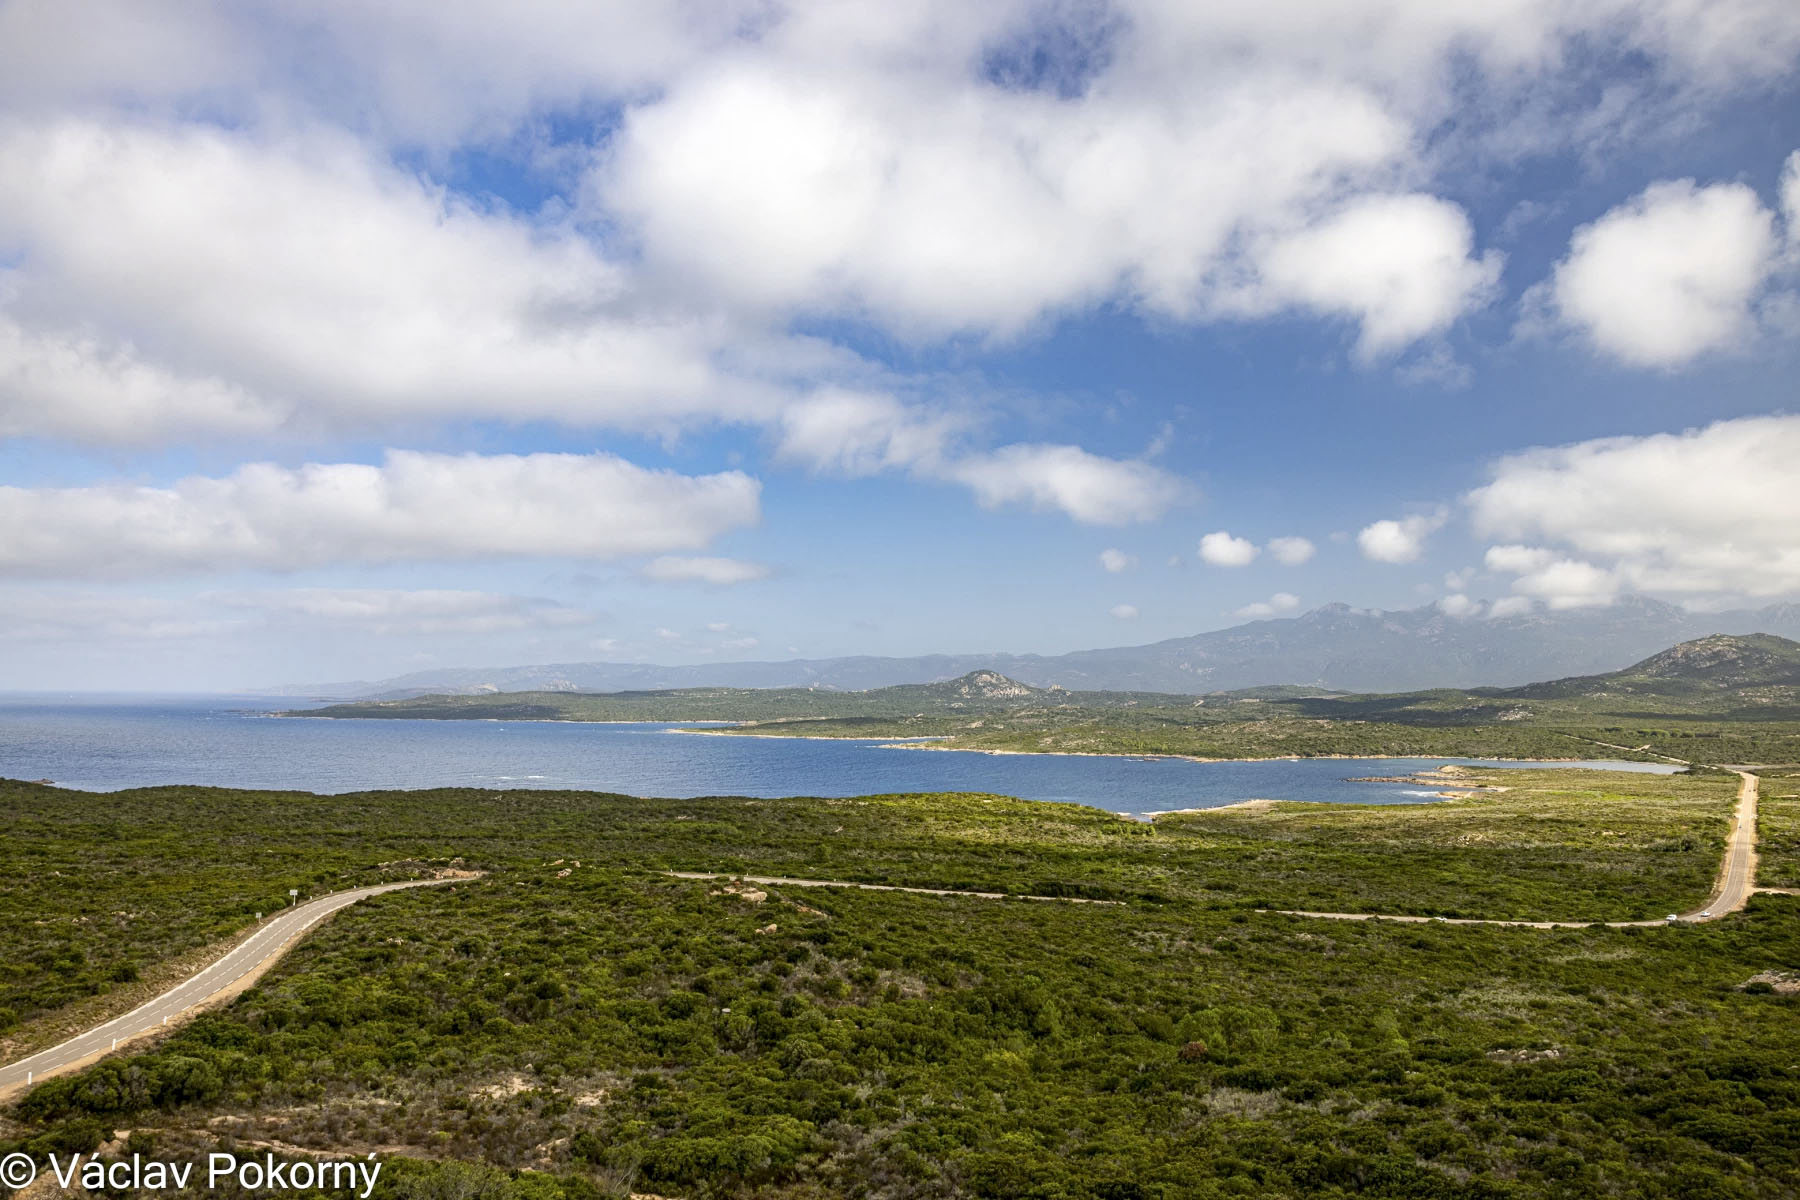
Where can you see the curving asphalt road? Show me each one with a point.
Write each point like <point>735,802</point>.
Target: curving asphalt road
<point>238,968</point>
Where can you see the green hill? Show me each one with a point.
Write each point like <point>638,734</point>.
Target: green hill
<point>977,691</point>
<point>1713,699</point>
<point>1753,667</point>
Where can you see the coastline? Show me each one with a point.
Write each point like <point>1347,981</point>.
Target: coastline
<point>922,742</point>
<point>1449,758</point>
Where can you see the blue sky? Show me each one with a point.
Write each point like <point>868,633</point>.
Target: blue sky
<point>341,340</point>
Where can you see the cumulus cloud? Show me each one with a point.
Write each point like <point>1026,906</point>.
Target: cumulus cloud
<point>860,164</point>
<point>68,385</point>
<point>1569,583</point>
<point>1399,541</point>
<point>716,571</point>
<point>1088,487</point>
<point>1123,612</point>
<point>821,190</point>
<point>1116,561</point>
<point>1402,266</point>
<point>843,432</point>
<point>1668,276</point>
<point>1517,560</point>
<point>304,279</point>
<point>1458,605</point>
<point>1220,549</point>
<point>1291,551</point>
<point>414,506</point>
<point>905,165</point>
<point>1709,512</point>
<point>1274,606</point>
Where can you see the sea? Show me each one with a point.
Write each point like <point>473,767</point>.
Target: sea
<point>111,743</point>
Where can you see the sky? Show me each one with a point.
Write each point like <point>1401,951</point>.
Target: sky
<point>357,337</point>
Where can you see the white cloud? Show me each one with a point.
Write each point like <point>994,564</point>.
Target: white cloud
<point>1116,561</point>
<point>56,614</point>
<point>1459,581</point>
<point>843,432</point>
<point>1123,612</point>
<point>304,280</point>
<point>1708,512</point>
<point>414,506</point>
<point>1458,605</point>
<point>1517,560</point>
<point>1220,549</point>
<point>66,385</point>
<point>1195,162</point>
<point>821,189</point>
<point>1291,551</point>
<point>716,571</point>
<point>1089,488</point>
<point>393,611</point>
<point>1280,602</point>
<point>907,163</point>
<point>1509,606</point>
<point>1669,276</point>
<point>1400,541</point>
<point>1569,583</point>
<point>1402,266</point>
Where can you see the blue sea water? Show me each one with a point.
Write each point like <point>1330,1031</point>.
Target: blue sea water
<point>106,744</point>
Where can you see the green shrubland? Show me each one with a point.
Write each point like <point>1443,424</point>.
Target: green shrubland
<point>556,1029</point>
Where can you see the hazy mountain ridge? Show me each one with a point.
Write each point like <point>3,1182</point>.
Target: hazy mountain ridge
<point>1335,647</point>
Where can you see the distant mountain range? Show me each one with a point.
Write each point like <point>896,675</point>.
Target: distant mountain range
<point>1336,647</point>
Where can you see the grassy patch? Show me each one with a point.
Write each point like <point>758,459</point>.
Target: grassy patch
<point>1778,830</point>
<point>1554,845</point>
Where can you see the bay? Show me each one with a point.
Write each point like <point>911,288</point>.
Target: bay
<point>99,743</point>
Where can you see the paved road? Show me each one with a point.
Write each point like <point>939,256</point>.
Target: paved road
<point>1736,882</point>
<point>241,965</point>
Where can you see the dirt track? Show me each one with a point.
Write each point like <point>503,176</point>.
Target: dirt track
<point>1735,885</point>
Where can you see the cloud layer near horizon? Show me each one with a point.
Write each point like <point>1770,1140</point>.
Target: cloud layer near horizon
<point>420,507</point>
